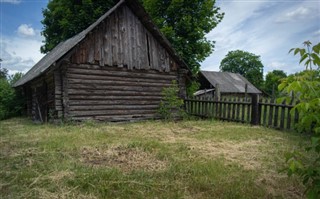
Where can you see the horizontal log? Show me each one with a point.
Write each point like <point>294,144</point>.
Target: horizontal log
<point>113,118</point>
<point>91,87</point>
<point>72,78</point>
<point>110,112</point>
<point>113,102</point>
<point>112,92</point>
<point>118,83</point>
<point>110,68</point>
<point>128,74</point>
<point>107,97</point>
<point>112,107</point>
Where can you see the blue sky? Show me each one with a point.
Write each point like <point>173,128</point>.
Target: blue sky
<point>265,28</point>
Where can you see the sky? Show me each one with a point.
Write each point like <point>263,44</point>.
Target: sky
<point>268,28</point>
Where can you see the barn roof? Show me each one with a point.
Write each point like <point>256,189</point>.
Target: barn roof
<point>66,46</point>
<point>229,82</point>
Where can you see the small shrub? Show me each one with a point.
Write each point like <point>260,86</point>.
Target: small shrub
<point>171,106</point>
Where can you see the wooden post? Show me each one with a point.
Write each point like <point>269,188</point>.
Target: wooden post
<point>255,116</point>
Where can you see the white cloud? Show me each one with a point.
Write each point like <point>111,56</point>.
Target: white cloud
<point>250,26</point>
<point>295,15</point>
<point>20,53</point>
<point>26,30</point>
<point>10,1</point>
<point>317,33</point>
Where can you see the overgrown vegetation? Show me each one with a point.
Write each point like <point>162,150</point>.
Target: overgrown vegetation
<point>11,101</point>
<point>306,87</point>
<point>171,106</point>
<point>186,159</point>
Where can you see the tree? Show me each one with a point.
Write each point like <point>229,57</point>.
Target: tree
<point>184,23</point>
<point>11,101</point>
<point>273,79</point>
<point>65,18</point>
<point>3,71</point>
<point>246,64</point>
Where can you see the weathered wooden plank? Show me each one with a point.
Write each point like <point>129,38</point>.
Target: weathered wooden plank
<point>99,68</point>
<point>234,106</point>
<point>107,43</point>
<point>140,101</point>
<point>108,97</point>
<point>270,113</point>
<point>89,87</point>
<point>276,113</point>
<point>112,92</point>
<point>112,107</point>
<point>117,81</point>
<point>111,112</point>
<point>114,118</point>
<point>265,113</point>
<point>120,16</point>
<point>90,48</point>
<point>120,74</point>
<point>282,115</point>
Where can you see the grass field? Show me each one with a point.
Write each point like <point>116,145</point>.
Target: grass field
<point>153,159</point>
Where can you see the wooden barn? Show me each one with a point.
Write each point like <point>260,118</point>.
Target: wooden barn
<point>225,83</point>
<point>114,70</point>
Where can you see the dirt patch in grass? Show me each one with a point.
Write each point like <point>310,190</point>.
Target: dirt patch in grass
<point>125,158</point>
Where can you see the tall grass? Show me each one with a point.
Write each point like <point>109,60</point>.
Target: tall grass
<point>153,159</point>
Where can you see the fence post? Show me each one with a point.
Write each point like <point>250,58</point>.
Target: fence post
<point>255,116</point>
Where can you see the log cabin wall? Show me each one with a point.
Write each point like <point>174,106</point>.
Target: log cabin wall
<point>118,72</point>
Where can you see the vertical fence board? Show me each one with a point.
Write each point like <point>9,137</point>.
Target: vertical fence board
<point>276,113</point>
<point>282,116</point>
<point>238,109</point>
<point>270,113</point>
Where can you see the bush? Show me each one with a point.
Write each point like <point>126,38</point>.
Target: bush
<point>11,101</point>
<point>171,106</point>
<point>306,87</point>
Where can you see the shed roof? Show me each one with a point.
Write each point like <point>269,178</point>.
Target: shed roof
<point>229,82</point>
<point>66,46</point>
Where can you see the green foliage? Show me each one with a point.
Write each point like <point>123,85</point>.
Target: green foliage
<point>273,80</point>
<point>65,18</point>
<point>246,64</point>
<point>310,56</point>
<point>192,87</point>
<point>306,86</point>
<point>185,24</point>
<point>11,101</point>
<point>172,105</point>
<point>3,72</point>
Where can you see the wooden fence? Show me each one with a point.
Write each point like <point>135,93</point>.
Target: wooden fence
<point>265,112</point>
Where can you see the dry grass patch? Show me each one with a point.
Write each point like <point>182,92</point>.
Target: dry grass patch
<point>125,158</point>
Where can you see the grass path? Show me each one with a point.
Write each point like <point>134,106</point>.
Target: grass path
<point>153,159</point>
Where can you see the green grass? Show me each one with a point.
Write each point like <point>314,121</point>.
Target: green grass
<point>153,159</point>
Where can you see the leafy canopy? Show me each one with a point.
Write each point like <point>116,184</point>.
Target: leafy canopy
<point>246,64</point>
<point>184,23</point>
<point>65,18</point>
